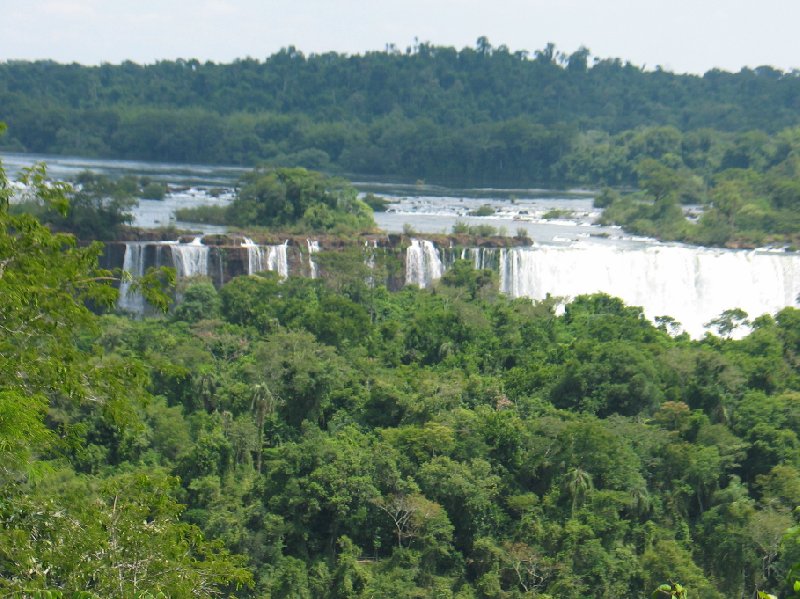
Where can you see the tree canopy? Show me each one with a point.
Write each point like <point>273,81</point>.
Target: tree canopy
<point>296,198</point>
<point>66,407</point>
<point>479,115</point>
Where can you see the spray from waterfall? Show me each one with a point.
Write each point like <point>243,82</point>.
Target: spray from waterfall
<point>692,285</point>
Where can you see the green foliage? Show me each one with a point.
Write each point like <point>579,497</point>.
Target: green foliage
<point>66,404</point>
<point>462,275</point>
<point>728,321</point>
<point>329,438</point>
<point>462,228</point>
<point>666,591</point>
<point>153,190</point>
<point>212,215</point>
<point>478,115</point>
<point>745,205</point>
<point>199,301</point>
<point>484,210</point>
<point>556,214</point>
<point>128,523</point>
<point>45,280</point>
<point>98,208</point>
<point>296,197</point>
<point>378,204</point>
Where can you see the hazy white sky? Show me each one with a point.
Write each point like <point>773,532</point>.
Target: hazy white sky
<point>680,35</point>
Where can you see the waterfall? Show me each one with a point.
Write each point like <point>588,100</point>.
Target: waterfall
<point>483,258</point>
<point>313,248</point>
<point>271,257</point>
<point>160,255</point>
<point>133,263</point>
<point>255,256</point>
<point>220,269</point>
<point>370,248</point>
<point>277,259</point>
<point>693,285</point>
<point>191,259</point>
<point>423,264</point>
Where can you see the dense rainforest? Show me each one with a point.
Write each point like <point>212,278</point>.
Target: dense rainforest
<point>475,116</point>
<point>328,438</point>
<point>727,142</point>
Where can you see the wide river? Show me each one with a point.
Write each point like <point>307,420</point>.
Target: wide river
<point>421,208</point>
<point>570,255</point>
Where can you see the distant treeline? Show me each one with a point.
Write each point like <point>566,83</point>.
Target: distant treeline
<point>479,115</point>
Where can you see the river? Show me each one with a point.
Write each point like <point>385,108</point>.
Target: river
<point>422,208</point>
<point>570,255</point>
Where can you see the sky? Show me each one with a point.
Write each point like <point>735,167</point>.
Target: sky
<point>683,36</point>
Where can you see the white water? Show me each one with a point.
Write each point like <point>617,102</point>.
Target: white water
<point>693,285</point>
<point>191,259</point>
<point>423,263</point>
<point>313,248</point>
<point>255,256</point>
<point>481,257</point>
<point>270,257</point>
<point>133,264</point>
<point>277,260</point>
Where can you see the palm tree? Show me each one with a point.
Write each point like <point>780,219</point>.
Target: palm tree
<point>578,483</point>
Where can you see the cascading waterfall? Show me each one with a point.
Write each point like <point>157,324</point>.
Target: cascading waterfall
<point>692,285</point>
<point>255,256</point>
<point>313,248</point>
<point>423,263</point>
<point>482,258</point>
<point>160,255</point>
<point>134,265</point>
<point>277,259</point>
<point>191,259</point>
<point>271,257</point>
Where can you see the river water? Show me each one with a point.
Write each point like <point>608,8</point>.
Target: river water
<point>569,256</point>
<point>421,208</point>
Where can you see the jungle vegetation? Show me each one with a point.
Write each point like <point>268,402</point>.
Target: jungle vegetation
<point>478,116</point>
<point>329,438</point>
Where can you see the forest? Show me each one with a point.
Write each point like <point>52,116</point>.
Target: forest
<point>481,115</point>
<point>328,438</point>
<point>725,143</point>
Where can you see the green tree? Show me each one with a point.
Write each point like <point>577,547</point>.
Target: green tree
<point>45,282</point>
<point>117,536</point>
<point>199,301</point>
<point>301,198</point>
